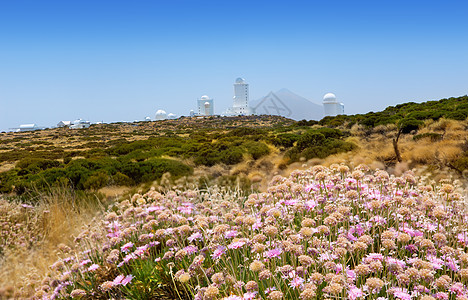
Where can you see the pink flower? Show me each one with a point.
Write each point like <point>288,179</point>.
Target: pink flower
<point>441,296</point>
<point>191,249</point>
<point>249,296</point>
<point>122,280</point>
<point>218,252</point>
<point>195,236</point>
<point>125,248</point>
<point>374,257</point>
<point>401,294</point>
<point>155,208</point>
<point>355,292</point>
<point>327,256</point>
<point>351,275</point>
<point>257,225</point>
<point>273,253</point>
<point>296,282</point>
<point>309,205</point>
<point>93,267</point>
<point>186,208</point>
<point>85,262</point>
<point>463,238</point>
<point>457,288</point>
<point>231,234</point>
<point>311,187</point>
<point>118,279</point>
<point>126,280</point>
<point>233,297</point>
<point>236,245</point>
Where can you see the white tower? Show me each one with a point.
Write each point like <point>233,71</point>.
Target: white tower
<point>205,106</point>
<point>331,106</point>
<point>241,94</point>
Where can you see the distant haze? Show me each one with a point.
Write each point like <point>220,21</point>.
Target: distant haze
<point>123,60</point>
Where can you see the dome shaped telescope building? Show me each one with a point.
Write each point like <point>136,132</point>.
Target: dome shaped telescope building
<point>205,106</point>
<point>160,115</point>
<point>331,106</point>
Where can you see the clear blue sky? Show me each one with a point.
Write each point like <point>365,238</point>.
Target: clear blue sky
<point>123,60</point>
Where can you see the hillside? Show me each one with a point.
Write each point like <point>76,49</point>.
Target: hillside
<point>117,187</point>
<point>232,150</point>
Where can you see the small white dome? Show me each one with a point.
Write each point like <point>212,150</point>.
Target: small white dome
<point>172,116</point>
<point>207,103</point>
<point>205,97</point>
<point>240,80</point>
<point>329,97</point>
<point>160,112</point>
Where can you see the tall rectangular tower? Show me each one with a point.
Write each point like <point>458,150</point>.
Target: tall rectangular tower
<point>241,94</point>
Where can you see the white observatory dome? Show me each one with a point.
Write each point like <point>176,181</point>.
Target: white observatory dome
<point>207,103</point>
<point>329,97</point>
<point>240,80</point>
<point>172,116</point>
<point>161,115</point>
<point>205,97</point>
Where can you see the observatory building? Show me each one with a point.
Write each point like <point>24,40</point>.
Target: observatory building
<point>80,124</point>
<point>160,115</point>
<point>27,127</point>
<point>331,106</point>
<point>205,106</point>
<point>240,100</point>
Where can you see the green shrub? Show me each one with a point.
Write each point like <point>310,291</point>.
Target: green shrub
<point>257,149</point>
<point>231,156</point>
<point>122,179</point>
<point>96,181</point>
<point>285,140</point>
<point>407,125</point>
<point>310,139</point>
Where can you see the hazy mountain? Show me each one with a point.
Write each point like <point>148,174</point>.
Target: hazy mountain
<point>287,104</point>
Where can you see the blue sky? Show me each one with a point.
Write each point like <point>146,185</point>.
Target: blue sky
<point>123,60</point>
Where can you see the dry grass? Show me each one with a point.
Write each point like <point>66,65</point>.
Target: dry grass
<point>55,220</point>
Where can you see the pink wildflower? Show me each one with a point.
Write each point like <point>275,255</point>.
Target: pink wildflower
<point>195,236</point>
<point>401,294</point>
<point>85,262</point>
<point>125,248</point>
<point>236,245</point>
<point>296,282</point>
<point>441,296</point>
<point>218,252</point>
<point>93,267</point>
<point>355,292</point>
<point>374,257</point>
<point>126,280</point>
<point>231,234</point>
<point>249,296</point>
<point>273,253</point>
<point>233,297</point>
<point>118,279</point>
<point>191,249</point>
<point>309,205</point>
<point>463,238</point>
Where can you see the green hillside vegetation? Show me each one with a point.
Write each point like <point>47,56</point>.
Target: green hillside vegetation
<point>451,108</point>
<point>96,163</point>
<point>133,154</point>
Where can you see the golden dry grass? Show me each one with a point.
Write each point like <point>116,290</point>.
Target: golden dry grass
<point>56,220</point>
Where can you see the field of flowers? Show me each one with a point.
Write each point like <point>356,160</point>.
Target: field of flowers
<point>323,233</point>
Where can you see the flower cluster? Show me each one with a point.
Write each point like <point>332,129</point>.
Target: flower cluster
<point>320,233</point>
